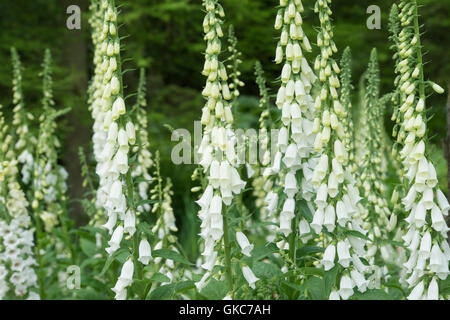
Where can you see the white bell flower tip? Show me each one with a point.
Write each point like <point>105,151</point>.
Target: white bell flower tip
<point>249,276</point>
<point>433,290</point>
<point>416,293</point>
<point>216,233</point>
<point>330,227</point>
<point>443,202</point>
<point>121,295</point>
<point>144,259</point>
<point>345,262</point>
<point>345,293</point>
<point>110,250</point>
<point>247,250</point>
<point>316,227</point>
<point>334,295</point>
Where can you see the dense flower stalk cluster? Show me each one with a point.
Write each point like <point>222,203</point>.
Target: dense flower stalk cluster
<point>114,132</point>
<point>234,62</point>
<point>49,178</point>
<point>217,150</point>
<point>263,181</point>
<point>372,173</point>
<point>17,276</point>
<point>425,204</point>
<point>292,161</point>
<point>142,148</point>
<point>337,197</point>
<point>346,100</point>
<point>24,138</point>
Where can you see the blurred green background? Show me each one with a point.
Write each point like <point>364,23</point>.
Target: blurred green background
<point>166,37</point>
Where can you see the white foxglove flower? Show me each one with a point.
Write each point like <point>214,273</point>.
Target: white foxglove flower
<point>244,243</point>
<point>344,257</point>
<point>318,219</point>
<point>116,238</point>
<point>145,252</point>
<point>416,293</point>
<point>346,287</point>
<point>249,276</point>
<point>328,257</point>
<point>329,218</point>
<point>433,290</point>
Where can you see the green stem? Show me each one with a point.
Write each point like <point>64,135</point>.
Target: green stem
<point>137,265</point>
<point>227,246</point>
<point>65,230</point>
<point>292,240</point>
<point>38,254</point>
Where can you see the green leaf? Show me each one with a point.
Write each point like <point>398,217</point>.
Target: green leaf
<point>162,292</point>
<point>266,270</point>
<point>111,258</point>
<point>142,202</point>
<point>184,286</point>
<point>311,271</point>
<point>357,234</point>
<point>304,210</point>
<point>214,290</point>
<point>263,251</point>
<point>88,247</point>
<point>373,294</point>
<point>159,277</point>
<point>139,286</point>
<point>303,251</point>
<point>171,255</point>
<point>316,288</point>
<point>330,279</point>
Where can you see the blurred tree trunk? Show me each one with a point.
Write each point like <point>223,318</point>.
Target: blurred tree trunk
<point>78,133</point>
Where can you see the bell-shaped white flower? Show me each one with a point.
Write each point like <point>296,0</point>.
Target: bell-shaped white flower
<point>244,243</point>
<point>329,220</point>
<point>442,201</point>
<point>425,245</point>
<point>317,222</point>
<point>419,215</point>
<point>321,198</point>
<point>328,257</point>
<point>205,199</point>
<point>416,293</point>
<point>346,287</point>
<point>116,238</point>
<point>437,220</point>
<point>433,290</point>
<point>249,276</point>
<point>359,280</point>
<point>145,252</point>
<point>290,185</point>
<point>437,258</point>
<point>341,213</point>
<point>130,223</point>
<point>344,257</point>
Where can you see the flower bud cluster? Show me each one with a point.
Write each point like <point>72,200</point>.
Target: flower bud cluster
<point>337,198</point>
<point>49,178</point>
<point>142,148</point>
<point>263,182</point>
<point>18,279</point>
<point>217,150</point>
<point>293,161</point>
<point>114,133</point>
<point>235,61</point>
<point>24,138</point>
<point>378,220</point>
<point>426,205</point>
